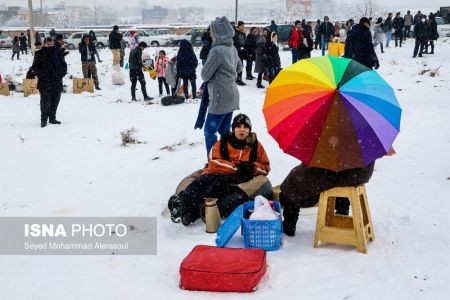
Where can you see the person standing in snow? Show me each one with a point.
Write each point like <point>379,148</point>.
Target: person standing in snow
<point>23,43</point>
<point>220,72</point>
<point>239,42</point>
<point>206,45</point>
<point>408,22</point>
<point>15,48</point>
<point>378,36</point>
<point>50,68</point>
<point>295,36</point>
<point>250,51</point>
<point>273,58</point>
<point>87,51</point>
<point>398,25</point>
<point>93,38</point>
<point>114,44</point>
<point>359,46</point>
<point>261,56</point>
<point>160,67</point>
<point>186,65</point>
<point>388,29</point>
<point>133,40</point>
<point>135,64</point>
<point>326,32</point>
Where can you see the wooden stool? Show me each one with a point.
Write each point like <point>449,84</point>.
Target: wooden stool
<point>353,230</point>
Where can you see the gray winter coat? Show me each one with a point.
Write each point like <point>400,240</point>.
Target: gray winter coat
<point>221,68</point>
<point>261,55</point>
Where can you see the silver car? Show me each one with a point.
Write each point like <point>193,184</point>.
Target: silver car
<point>5,40</point>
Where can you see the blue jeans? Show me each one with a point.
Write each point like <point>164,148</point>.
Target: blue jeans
<point>324,44</point>
<point>295,55</point>
<point>388,37</point>
<point>213,124</point>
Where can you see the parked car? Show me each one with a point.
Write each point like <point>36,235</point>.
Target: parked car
<point>153,37</point>
<point>5,40</point>
<point>194,36</point>
<point>443,27</point>
<point>75,38</point>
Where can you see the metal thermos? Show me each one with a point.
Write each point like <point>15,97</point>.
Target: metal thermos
<point>212,215</point>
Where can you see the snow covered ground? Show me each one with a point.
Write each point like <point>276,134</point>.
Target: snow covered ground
<point>80,169</point>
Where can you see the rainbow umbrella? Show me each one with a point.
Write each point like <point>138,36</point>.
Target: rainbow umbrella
<point>332,113</point>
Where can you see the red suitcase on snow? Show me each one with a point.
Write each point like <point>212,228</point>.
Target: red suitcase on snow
<point>208,268</point>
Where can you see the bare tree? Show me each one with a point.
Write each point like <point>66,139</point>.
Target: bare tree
<point>367,8</point>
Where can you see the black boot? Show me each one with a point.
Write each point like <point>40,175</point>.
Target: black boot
<point>291,212</point>
<point>52,120</point>
<point>174,208</point>
<point>228,203</point>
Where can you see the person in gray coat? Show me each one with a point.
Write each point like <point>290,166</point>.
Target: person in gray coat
<point>220,72</point>
<point>261,56</point>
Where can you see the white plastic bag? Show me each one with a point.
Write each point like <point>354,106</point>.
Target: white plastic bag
<point>263,210</point>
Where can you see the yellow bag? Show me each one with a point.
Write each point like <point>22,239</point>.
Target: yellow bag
<point>152,72</point>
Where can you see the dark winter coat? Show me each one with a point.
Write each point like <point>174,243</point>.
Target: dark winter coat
<point>83,48</point>
<point>304,185</point>
<point>114,39</point>
<point>50,67</point>
<point>434,35</point>
<point>420,31</point>
<point>186,61</point>
<point>305,50</point>
<point>23,42</point>
<point>273,57</point>
<point>387,26</point>
<point>135,59</point>
<point>250,46</point>
<point>326,30</point>
<point>207,44</point>
<point>239,43</point>
<point>398,23</point>
<point>359,46</point>
<point>261,56</point>
<point>92,37</point>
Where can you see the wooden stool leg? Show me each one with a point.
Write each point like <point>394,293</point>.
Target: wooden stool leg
<point>361,243</point>
<point>368,225</point>
<point>320,224</point>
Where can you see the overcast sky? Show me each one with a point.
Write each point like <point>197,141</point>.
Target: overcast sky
<point>222,3</point>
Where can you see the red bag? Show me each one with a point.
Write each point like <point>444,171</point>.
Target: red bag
<point>208,268</point>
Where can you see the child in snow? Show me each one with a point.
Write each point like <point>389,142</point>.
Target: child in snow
<point>160,67</point>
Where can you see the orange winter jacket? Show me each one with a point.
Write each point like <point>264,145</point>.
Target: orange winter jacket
<point>217,164</point>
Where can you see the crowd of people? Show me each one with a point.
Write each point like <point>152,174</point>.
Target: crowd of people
<point>237,165</point>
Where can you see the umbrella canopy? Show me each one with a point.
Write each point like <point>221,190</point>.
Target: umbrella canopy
<point>332,113</point>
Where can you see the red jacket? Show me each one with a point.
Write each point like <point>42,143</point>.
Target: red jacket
<point>295,37</point>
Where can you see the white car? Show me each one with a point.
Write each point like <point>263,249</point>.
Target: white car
<point>155,37</point>
<point>5,40</point>
<point>75,38</point>
<point>443,27</point>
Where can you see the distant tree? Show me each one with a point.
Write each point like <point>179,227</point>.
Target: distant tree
<point>16,22</point>
<point>367,8</point>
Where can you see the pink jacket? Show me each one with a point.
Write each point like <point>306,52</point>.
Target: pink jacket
<point>160,66</point>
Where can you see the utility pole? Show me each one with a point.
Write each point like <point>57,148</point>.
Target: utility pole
<point>31,25</point>
<point>236,13</point>
<point>42,15</point>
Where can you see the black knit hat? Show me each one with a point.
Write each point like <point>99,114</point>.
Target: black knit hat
<point>241,119</point>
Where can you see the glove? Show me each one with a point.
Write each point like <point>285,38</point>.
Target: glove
<point>376,65</point>
<point>244,171</point>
